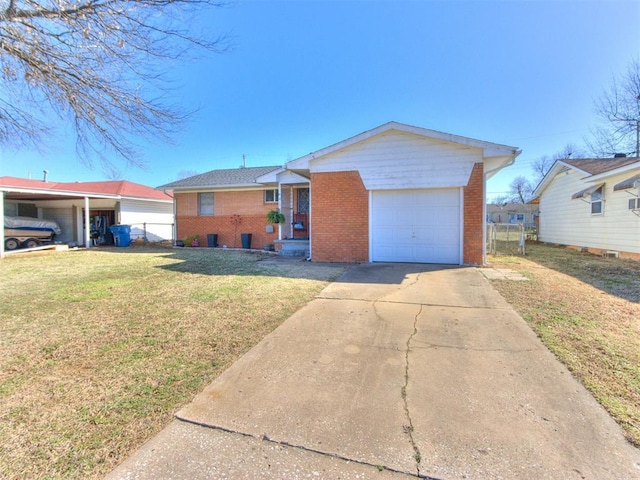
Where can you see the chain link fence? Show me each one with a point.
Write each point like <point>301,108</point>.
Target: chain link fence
<point>506,238</point>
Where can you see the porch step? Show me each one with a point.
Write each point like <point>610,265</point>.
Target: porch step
<point>295,249</point>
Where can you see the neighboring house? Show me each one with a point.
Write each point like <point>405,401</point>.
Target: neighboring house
<point>524,213</point>
<point>100,204</point>
<point>592,204</point>
<point>396,193</point>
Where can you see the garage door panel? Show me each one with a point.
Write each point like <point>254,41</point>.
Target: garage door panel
<point>420,226</point>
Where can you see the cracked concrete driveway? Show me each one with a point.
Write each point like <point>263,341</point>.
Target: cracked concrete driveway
<point>394,371</point>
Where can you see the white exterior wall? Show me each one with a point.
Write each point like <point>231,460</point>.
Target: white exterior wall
<point>158,217</point>
<point>64,218</point>
<point>128,212</point>
<point>396,160</point>
<point>568,221</point>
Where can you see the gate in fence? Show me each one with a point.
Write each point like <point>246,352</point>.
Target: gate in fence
<point>505,238</point>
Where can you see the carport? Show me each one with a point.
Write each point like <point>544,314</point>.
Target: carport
<point>19,193</point>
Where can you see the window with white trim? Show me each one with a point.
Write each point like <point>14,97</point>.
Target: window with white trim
<point>205,203</point>
<point>596,202</point>
<point>516,218</point>
<point>634,203</point>
<point>271,196</point>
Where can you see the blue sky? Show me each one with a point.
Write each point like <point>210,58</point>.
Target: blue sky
<point>305,74</point>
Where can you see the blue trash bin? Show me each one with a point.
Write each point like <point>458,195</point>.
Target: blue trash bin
<point>121,235</point>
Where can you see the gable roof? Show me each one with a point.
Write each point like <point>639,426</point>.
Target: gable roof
<point>489,149</point>
<point>232,177</point>
<point>594,169</point>
<point>113,188</point>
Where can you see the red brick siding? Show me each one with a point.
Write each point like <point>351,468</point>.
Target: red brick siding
<point>473,239</point>
<point>234,213</point>
<point>339,218</point>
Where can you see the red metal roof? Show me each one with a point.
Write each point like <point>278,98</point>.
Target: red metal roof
<point>121,188</point>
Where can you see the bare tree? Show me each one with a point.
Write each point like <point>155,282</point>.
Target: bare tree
<point>500,199</point>
<point>99,64</point>
<point>619,109</point>
<point>543,164</point>
<point>520,190</point>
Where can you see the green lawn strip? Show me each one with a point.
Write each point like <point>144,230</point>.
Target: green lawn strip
<point>101,347</point>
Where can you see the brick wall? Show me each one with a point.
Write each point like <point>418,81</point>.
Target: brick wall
<point>473,240</point>
<point>234,213</point>
<point>339,218</point>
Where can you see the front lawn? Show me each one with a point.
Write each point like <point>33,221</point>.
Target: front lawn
<point>98,348</point>
<point>586,309</point>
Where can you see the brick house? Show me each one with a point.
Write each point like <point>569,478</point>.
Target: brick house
<point>396,193</point>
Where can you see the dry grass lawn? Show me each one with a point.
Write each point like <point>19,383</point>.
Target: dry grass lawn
<point>99,348</point>
<point>586,309</point>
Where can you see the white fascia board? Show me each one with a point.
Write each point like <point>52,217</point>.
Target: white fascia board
<point>493,165</point>
<point>57,193</point>
<point>489,149</point>
<point>617,171</point>
<point>271,177</point>
<point>288,177</point>
<point>142,199</point>
<point>558,167</point>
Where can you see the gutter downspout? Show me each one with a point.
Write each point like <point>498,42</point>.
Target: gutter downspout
<point>484,202</point>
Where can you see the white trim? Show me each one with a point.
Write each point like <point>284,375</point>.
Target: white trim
<point>58,193</point>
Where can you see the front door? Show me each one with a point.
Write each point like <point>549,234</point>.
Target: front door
<point>301,217</point>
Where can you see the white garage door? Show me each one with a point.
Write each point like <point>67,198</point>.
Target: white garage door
<point>421,226</point>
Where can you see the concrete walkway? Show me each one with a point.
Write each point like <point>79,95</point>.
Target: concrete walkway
<point>396,371</point>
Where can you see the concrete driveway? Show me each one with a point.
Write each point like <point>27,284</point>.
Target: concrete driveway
<point>394,371</point>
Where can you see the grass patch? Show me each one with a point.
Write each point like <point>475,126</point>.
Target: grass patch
<point>98,348</point>
<point>586,309</point>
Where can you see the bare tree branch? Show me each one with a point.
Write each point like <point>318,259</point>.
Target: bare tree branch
<point>619,110</point>
<point>99,64</point>
<point>520,190</point>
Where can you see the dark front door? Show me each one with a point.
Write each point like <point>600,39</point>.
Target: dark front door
<point>301,218</point>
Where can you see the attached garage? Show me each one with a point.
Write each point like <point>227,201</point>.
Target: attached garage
<point>399,193</point>
<point>416,226</point>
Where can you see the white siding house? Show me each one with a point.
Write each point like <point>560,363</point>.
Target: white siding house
<point>592,204</point>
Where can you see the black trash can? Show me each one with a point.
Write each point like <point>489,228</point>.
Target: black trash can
<point>246,240</point>
<point>212,240</point>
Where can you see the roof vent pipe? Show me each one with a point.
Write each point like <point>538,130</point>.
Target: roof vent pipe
<point>46,175</point>
<point>620,155</point>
